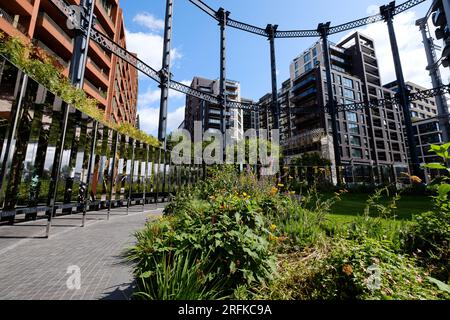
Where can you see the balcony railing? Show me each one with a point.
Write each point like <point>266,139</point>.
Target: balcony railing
<point>96,89</point>
<point>10,19</point>
<point>105,11</point>
<point>56,26</point>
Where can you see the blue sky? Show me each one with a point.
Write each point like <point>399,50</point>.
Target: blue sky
<point>196,44</point>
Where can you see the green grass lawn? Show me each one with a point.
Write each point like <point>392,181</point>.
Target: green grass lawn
<point>354,204</point>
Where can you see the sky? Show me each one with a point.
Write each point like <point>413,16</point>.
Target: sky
<point>195,46</point>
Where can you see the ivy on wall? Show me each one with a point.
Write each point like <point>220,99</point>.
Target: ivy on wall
<point>46,70</point>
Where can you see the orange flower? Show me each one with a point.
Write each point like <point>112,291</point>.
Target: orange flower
<point>416,180</point>
<point>347,269</point>
<point>273,191</point>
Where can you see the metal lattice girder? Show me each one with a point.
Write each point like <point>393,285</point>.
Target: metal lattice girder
<point>356,24</point>
<point>427,94</point>
<point>363,105</point>
<point>306,33</point>
<point>205,8</point>
<point>297,34</point>
<point>407,5</point>
<point>177,86</point>
<point>113,47</point>
<point>243,106</point>
<point>246,27</point>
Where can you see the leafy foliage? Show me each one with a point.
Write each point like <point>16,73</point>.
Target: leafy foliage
<point>225,230</point>
<point>429,238</point>
<point>350,269</point>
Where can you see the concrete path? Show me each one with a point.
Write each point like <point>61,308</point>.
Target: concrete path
<point>74,263</point>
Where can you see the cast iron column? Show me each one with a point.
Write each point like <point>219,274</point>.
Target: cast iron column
<point>165,81</point>
<point>165,74</point>
<point>222,16</point>
<point>271,30</point>
<point>323,29</point>
<point>436,79</point>
<point>76,74</point>
<point>388,13</point>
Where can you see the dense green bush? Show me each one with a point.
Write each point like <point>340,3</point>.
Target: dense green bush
<point>429,237</point>
<point>350,269</point>
<point>227,233</point>
<point>234,227</point>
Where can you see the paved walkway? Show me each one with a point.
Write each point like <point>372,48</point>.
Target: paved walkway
<point>32,267</point>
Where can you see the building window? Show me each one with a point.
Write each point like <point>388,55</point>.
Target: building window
<point>307,57</point>
<point>351,116</point>
<point>214,121</point>
<point>348,83</point>
<point>296,65</point>
<point>308,66</point>
<point>314,52</point>
<point>355,141</point>
<point>356,153</point>
<point>353,128</point>
<point>349,94</point>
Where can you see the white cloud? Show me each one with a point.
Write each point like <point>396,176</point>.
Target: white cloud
<point>152,96</point>
<point>149,21</point>
<point>148,109</point>
<point>149,47</point>
<point>373,9</point>
<point>409,40</point>
<point>149,118</point>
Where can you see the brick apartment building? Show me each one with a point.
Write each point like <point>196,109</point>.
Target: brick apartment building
<point>113,83</point>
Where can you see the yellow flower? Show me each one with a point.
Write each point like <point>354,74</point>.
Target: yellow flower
<point>273,227</point>
<point>245,194</point>
<point>281,185</point>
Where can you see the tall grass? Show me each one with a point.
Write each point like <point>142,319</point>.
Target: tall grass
<point>176,277</point>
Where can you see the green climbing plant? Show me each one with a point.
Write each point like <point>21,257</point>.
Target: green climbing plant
<point>46,70</point>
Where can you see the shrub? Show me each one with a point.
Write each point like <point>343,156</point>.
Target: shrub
<point>429,237</point>
<point>367,269</point>
<point>226,232</point>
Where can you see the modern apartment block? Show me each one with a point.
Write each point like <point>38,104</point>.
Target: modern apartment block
<point>286,116</point>
<point>366,137</point>
<point>420,110</point>
<point>113,83</point>
<point>210,115</point>
<point>427,132</point>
